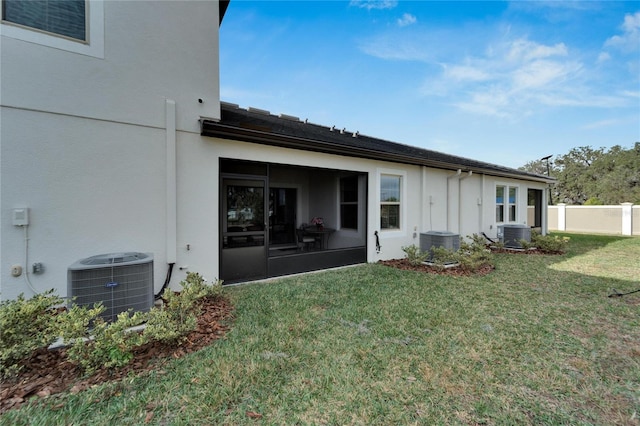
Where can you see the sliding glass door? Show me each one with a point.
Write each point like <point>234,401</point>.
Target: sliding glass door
<point>244,233</point>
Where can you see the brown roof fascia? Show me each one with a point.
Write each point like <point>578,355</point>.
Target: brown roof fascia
<point>213,128</point>
<point>222,5</point>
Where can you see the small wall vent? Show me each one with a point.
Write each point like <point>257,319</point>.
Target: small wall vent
<point>120,281</point>
<point>512,234</point>
<point>444,239</point>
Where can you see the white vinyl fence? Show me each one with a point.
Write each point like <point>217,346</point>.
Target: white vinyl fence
<point>622,220</point>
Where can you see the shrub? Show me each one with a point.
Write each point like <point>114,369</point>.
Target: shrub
<point>179,315</point>
<point>441,257</point>
<point>474,254</point>
<point>549,243</point>
<point>593,201</point>
<point>95,343</point>
<point>25,325</point>
<point>414,255</point>
<point>471,257</point>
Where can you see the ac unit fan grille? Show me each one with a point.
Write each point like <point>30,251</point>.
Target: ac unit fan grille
<point>447,240</point>
<point>119,287</point>
<point>512,234</point>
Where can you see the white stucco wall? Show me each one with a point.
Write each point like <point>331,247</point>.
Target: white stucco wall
<point>83,139</point>
<point>426,204</point>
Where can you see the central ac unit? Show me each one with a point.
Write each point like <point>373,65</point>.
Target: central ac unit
<point>513,233</point>
<point>120,281</point>
<point>444,239</point>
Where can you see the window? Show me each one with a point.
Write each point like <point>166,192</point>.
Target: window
<point>390,201</point>
<point>506,204</point>
<point>349,202</point>
<point>513,192</point>
<point>66,18</point>
<point>500,204</point>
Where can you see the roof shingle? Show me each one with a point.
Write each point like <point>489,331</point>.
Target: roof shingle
<point>260,126</point>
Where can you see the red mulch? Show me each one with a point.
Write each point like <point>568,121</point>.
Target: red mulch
<point>48,372</point>
<point>457,271</point>
<point>452,271</point>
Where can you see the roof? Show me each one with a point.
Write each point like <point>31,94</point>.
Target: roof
<point>222,7</point>
<point>260,126</point>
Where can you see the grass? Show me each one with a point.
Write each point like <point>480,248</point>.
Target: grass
<point>536,342</point>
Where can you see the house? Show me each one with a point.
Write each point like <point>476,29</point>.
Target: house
<point>114,140</point>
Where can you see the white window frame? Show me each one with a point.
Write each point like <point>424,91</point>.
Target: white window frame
<point>506,204</point>
<point>92,46</point>
<point>514,204</point>
<point>402,203</point>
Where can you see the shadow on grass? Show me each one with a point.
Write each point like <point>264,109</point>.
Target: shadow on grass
<point>612,257</point>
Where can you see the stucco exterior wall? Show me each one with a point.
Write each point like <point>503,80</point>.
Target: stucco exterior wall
<point>95,187</point>
<point>139,37</point>
<point>621,219</point>
<point>428,204</point>
<point>108,156</point>
<point>552,214</point>
<point>607,219</point>
<point>84,131</point>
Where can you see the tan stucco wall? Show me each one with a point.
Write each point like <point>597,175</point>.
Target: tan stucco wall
<point>594,219</point>
<point>552,212</point>
<point>603,219</point>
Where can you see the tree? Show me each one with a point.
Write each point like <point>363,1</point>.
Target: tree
<point>538,167</point>
<point>576,177</point>
<point>594,175</point>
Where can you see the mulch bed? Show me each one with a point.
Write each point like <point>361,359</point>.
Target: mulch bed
<point>48,372</point>
<point>457,271</point>
<point>452,271</point>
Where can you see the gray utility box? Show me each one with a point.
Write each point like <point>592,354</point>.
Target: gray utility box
<point>444,239</point>
<point>120,281</point>
<point>513,233</point>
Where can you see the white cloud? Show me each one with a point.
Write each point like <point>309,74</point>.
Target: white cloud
<point>492,102</point>
<point>509,78</point>
<point>630,38</point>
<point>407,19</point>
<point>602,123</point>
<point>603,57</point>
<point>517,78</point>
<point>396,47</point>
<point>374,4</point>
<point>465,73</point>
<point>543,73</point>
<point>631,94</point>
<point>526,50</point>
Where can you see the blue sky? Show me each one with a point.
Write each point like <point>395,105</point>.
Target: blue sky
<point>502,82</point>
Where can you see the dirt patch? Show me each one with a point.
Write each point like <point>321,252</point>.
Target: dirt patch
<point>452,271</point>
<point>48,372</point>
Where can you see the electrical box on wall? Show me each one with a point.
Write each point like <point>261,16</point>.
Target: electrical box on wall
<point>21,216</point>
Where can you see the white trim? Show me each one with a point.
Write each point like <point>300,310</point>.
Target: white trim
<point>93,46</point>
<point>403,201</point>
<point>627,218</point>
<point>506,203</point>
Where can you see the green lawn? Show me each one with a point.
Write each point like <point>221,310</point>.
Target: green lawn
<point>535,342</point>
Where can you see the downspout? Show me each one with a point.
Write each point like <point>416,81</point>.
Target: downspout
<point>457,174</point>
<point>171,190</point>
<point>423,199</point>
<point>481,205</point>
<point>468,175</point>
